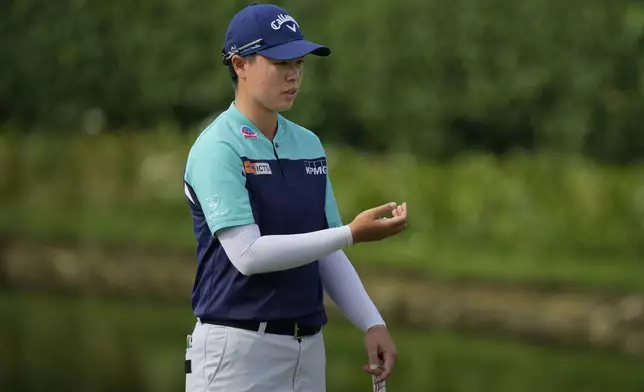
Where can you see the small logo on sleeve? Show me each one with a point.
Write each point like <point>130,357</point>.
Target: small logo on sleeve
<point>213,204</point>
<point>257,168</point>
<point>316,168</point>
<point>248,133</point>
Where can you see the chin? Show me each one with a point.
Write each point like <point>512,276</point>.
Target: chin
<point>283,106</point>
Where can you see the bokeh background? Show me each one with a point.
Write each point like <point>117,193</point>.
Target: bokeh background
<point>513,130</point>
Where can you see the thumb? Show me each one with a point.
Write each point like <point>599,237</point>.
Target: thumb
<point>382,210</point>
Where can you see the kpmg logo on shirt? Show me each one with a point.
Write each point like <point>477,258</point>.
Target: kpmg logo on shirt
<point>248,133</point>
<point>257,168</point>
<point>316,168</point>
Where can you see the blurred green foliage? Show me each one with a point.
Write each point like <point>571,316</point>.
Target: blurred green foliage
<point>539,218</point>
<point>444,88</point>
<point>430,77</point>
<point>86,344</point>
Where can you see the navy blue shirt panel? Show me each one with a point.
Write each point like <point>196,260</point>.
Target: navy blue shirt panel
<point>236,176</point>
<point>289,201</point>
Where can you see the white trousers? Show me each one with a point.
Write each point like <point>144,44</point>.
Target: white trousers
<point>225,359</point>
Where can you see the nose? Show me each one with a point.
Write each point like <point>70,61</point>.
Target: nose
<point>294,71</point>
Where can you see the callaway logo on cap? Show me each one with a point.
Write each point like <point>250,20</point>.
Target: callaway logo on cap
<point>269,31</point>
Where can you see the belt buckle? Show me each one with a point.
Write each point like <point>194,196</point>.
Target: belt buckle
<point>297,331</point>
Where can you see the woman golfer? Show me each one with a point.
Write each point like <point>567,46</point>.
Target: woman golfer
<point>269,235</point>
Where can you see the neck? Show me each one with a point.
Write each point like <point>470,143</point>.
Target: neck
<point>262,118</point>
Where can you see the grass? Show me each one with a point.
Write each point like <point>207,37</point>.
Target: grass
<point>91,344</point>
<point>146,226</point>
<point>548,220</point>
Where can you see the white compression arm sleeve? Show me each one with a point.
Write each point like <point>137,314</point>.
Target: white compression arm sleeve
<point>251,253</point>
<point>342,283</point>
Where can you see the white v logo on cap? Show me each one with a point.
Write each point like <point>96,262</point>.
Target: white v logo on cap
<point>293,28</point>
<point>281,19</point>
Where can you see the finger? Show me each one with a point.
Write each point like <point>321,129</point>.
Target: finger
<point>388,231</point>
<point>396,228</point>
<point>395,231</point>
<point>393,222</point>
<point>373,369</point>
<point>374,360</point>
<point>403,213</point>
<point>389,361</point>
<point>396,212</point>
<point>384,209</point>
<point>400,227</point>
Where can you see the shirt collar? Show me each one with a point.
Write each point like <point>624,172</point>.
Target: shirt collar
<point>242,119</point>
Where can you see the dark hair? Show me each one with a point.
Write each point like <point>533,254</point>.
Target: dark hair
<point>231,69</point>
<point>233,75</point>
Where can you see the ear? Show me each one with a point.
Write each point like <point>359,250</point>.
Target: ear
<point>239,64</point>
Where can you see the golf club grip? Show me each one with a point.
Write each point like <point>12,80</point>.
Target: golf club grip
<point>378,387</point>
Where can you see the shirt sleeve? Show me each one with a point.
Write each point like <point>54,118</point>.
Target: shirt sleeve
<point>342,283</point>
<point>215,173</point>
<point>251,253</point>
<point>330,206</point>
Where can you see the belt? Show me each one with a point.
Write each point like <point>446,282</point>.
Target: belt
<point>281,327</point>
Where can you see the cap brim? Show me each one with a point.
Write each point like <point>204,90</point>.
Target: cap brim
<point>294,50</point>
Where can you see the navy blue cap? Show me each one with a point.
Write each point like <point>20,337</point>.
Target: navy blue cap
<point>269,31</point>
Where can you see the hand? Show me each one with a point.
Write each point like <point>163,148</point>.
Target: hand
<point>372,225</point>
<point>381,351</point>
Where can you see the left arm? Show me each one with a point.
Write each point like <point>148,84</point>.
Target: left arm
<point>340,279</point>
<point>342,283</point>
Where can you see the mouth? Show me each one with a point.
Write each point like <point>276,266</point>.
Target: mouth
<point>291,92</point>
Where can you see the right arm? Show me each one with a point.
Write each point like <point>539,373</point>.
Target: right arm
<point>215,173</point>
<point>251,253</point>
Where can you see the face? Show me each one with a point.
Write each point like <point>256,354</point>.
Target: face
<point>273,84</point>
